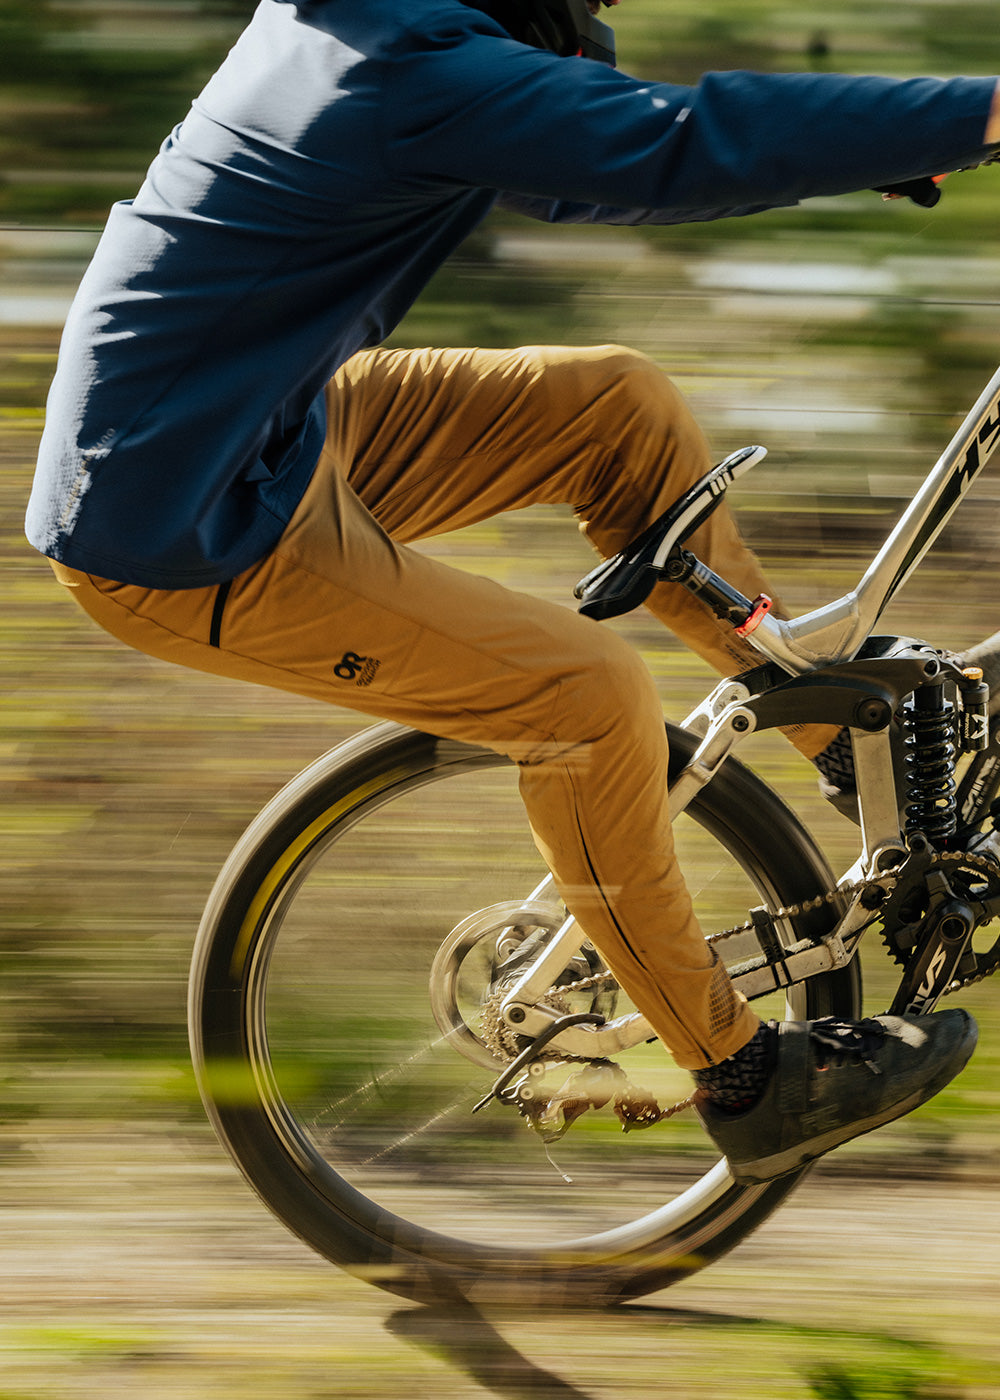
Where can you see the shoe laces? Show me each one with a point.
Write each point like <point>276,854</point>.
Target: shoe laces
<point>846,1042</point>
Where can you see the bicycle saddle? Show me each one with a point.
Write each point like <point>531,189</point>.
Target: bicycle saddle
<point>622,582</point>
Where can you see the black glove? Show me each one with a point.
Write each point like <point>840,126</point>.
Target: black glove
<point>923,191</point>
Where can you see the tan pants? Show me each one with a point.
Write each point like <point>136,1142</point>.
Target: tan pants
<point>426,441</point>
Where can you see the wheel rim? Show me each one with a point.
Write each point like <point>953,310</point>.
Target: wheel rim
<point>401,1159</point>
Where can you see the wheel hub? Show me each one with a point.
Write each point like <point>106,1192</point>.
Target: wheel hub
<point>482,958</point>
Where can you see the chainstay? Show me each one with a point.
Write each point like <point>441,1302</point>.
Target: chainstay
<point>987,967</point>
<point>832,896</point>
<point>786,911</point>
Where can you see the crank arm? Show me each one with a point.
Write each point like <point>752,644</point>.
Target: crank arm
<point>939,953</point>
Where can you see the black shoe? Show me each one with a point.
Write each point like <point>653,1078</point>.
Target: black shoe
<point>836,775</point>
<point>835,1080</point>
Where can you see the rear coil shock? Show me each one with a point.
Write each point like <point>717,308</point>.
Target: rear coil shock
<point>929,738</point>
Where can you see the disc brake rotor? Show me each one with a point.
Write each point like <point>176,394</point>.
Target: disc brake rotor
<point>479,962</point>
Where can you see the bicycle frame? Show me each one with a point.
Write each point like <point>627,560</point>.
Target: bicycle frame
<point>835,631</point>
<point>830,634</point>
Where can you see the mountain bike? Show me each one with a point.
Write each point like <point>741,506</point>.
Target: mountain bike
<point>428,1073</point>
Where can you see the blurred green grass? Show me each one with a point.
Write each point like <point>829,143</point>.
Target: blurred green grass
<point>125,783</point>
<point>134,1259</point>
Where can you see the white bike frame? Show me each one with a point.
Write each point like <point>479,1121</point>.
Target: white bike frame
<point>825,636</point>
<point>835,631</point>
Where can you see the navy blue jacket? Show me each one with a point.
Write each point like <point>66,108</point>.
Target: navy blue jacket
<point>339,155</point>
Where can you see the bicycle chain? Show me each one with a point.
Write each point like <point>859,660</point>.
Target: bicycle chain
<point>834,896</point>
<point>502,1041</point>
<point>986,963</point>
<point>637,1109</point>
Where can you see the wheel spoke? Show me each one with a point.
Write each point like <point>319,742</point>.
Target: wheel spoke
<point>349,959</point>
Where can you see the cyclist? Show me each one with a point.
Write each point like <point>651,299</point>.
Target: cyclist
<point>232,469</point>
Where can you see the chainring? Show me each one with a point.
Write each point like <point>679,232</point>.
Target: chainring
<point>973,877</point>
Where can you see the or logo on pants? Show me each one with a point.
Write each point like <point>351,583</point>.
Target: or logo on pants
<point>359,669</point>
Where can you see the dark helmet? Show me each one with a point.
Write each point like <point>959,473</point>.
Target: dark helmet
<point>564,27</point>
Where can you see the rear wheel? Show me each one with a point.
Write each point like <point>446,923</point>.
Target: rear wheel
<point>341,1077</point>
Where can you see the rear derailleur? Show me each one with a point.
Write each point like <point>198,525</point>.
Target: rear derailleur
<point>587,1084</point>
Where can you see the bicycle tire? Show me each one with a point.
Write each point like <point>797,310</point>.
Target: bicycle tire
<point>284,953</point>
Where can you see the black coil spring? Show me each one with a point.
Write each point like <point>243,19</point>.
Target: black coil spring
<point>929,738</point>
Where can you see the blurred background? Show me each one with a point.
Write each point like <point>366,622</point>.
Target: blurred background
<point>849,336</point>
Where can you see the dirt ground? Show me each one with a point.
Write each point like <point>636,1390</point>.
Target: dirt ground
<point>137,1262</point>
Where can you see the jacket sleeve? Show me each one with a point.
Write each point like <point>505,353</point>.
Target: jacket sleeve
<point>492,112</point>
<point>562,211</point>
